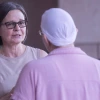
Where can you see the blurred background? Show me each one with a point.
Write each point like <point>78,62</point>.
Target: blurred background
<point>86,14</point>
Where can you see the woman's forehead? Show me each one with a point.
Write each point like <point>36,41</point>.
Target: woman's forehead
<point>14,15</point>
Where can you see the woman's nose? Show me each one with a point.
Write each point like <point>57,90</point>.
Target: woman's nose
<point>16,28</point>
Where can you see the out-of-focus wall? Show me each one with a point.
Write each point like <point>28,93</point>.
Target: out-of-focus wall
<point>86,14</point>
<point>35,9</point>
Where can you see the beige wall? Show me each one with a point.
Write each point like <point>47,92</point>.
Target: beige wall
<point>86,14</point>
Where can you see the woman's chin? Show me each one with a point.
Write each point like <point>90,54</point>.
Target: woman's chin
<point>17,42</point>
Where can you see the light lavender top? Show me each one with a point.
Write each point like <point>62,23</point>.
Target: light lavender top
<point>65,74</point>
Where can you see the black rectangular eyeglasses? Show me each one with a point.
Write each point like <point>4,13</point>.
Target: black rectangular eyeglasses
<point>12,25</point>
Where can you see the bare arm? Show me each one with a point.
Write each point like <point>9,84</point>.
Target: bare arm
<point>7,96</point>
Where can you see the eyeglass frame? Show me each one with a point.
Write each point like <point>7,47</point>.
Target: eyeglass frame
<point>40,32</point>
<point>14,23</point>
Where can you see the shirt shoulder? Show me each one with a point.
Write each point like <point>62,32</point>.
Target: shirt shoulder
<point>38,53</point>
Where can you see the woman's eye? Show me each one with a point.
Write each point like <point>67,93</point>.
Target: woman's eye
<point>10,24</point>
<point>21,22</point>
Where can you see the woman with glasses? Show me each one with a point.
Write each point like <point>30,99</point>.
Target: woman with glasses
<point>13,53</point>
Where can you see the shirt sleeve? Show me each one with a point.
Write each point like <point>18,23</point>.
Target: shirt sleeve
<point>41,53</point>
<point>25,87</point>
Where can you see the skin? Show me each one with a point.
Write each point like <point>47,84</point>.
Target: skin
<point>7,96</point>
<point>12,38</point>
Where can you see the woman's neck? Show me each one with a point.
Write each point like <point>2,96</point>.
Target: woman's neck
<point>13,51</point>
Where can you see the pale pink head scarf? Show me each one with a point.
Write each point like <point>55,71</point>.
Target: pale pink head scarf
<point>58,26</point>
